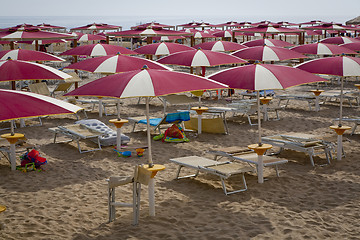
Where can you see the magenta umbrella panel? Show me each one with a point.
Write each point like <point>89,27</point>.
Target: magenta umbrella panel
<point>322,49</point>
<point>94,50</point>
<point>28,55</point>
<point>164,48</point>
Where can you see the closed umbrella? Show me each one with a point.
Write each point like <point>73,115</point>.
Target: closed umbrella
<point>145,83</point>
<point>257,77</point>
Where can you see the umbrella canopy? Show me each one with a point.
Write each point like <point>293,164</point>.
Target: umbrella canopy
<point>14,70</point>
<point>99,49</point>
<point>322,49</point>
<point>355,46</point>
<point>97,27</point>
<point>263,76</point>
<point>89,37</point>
<point>20,104</point>
<point>267,42</point>
<point>167,38</point>
<point>28,55</point>
<point>220,46</point>
<point>339,40</point>
<point>339,66</point>
<point>33,34</point>
<point>164,48</point>
<point>200,58</point>
<point>145,83</point>
<point>115,64</point>
<point>266,53</point>
<point>150,31</point>
<point>343,66</point>
<point>50,26</point>
<point>269,29</point>
<point>41,42</point>
<point>203,34</point>
<point>144,25</point>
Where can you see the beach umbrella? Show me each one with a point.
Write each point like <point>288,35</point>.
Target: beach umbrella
<point>322,49</point>
<point>89,37</point>
<point>15,70</point>
<point>339,40</point>
<point>200,58</point>
<point>94,27</point>
<point>94,50</point>
<point>115,64</point>
<point>145,83</point>
<point>257,77</point>
<point>355,46</point>
<point>164,48</point>
<point>266,53</point>
<point>21,104</point>
<point>167,38</point>
<point>220,46</point>
<point>342,66</point>
<point>28,55</point>
<point>267,42</point>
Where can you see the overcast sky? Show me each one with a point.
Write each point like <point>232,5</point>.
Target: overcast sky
<point>237,10</point>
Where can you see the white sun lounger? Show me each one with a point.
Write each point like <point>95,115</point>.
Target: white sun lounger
<point>222,169</point>
<point>303,143</point>
<point>248,156</point>
<point>78,132</point>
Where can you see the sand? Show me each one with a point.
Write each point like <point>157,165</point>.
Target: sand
<point>68,200</point>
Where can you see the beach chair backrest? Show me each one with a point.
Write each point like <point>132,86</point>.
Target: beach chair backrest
<point>40,88</point>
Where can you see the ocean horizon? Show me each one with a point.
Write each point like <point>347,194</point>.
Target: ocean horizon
<point>128,21</point>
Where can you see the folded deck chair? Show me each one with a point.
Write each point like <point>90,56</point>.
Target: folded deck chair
<point>222,169</point>
<point>62,87</point>
<point>303,143</point>
<point>157,123</point>
<point>78,132</point>
<point>109,135</point>
<point>248,156</point>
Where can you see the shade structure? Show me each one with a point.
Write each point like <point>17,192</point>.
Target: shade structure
<point>28,55</point>
<point>200,58</point>
<point>220,46</point>
<point>339,40</point>
<point>115,64</point>
<point>50,26</point>
<point>266,53</point>
<point>268,42</point>
<point>145,83</point>
<point>20,104</point>
<point>97,27</point>
<point>98,49</point>
<point>262,77</point>
<point>89,37</point>
<point>343,66</point>
<point>164,48</point>
<point>33,34</point>
<point>14,70</point>
<point>149,31</point>
<point>203,34</point>
<point>322,49</point>
<point>152,24</point>
<point>269,29</point>
<point>355,46</point>
<point>41,42</point>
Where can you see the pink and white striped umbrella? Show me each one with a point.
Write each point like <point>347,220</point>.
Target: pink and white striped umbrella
<point>28,55</point>
<point>14,70</point>
<point>267,42</point>
<point>33,34</point>
<point>203,34</point>
<point>99,49</point>
<point>42,42</point>
<point>164,48</point>
<point>166,38</point>
<point>200,58</point>
<point>355,46</point>
<point>220,46</point>
<point>89,37</point>
<point>266,53</point>
<point>20,104</point>
<point>115,64</point>
<point>322,49</point>
<point>339,40</point>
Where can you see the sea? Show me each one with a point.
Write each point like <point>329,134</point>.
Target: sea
<point>128,21</point>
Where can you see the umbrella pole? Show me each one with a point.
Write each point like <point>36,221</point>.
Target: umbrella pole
<point>259,120</point>
<point>339,138</point>
<point>151,185</point>
<point>118,134</point>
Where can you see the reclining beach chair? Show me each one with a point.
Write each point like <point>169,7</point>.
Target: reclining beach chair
<point>78,132</point>
<point>40,88</point>
<point>303,143</point>
<point>157,123</point>
<point>247,156</point>
<point>140,176</point>
<point>222,169</point>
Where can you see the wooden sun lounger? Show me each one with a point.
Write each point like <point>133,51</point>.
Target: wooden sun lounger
<point>305,143</point>
<point>222,169</point>
<point>77,132</point>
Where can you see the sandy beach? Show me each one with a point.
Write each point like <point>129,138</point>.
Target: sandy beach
<point>68,200</point>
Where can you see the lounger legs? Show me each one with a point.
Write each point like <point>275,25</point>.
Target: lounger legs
<point>192,175</point>
<point>235,191</point>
